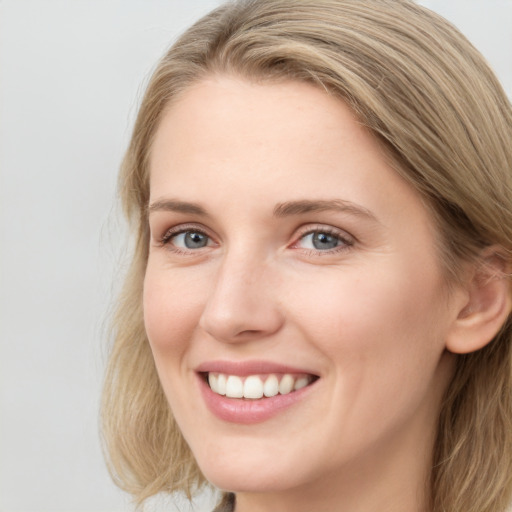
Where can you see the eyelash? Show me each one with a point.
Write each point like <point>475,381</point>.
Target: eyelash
<point>345,240</point>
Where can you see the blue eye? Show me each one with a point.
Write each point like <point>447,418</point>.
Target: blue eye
<point>189,240</point>
<point>322,241</point>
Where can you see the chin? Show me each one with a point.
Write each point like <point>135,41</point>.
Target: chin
<point>248,481</point>
<point>244,475</point>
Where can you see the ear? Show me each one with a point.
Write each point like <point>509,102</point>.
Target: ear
<point>487,304</point>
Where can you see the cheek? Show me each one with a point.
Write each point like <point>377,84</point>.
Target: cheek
<point>374,323</point>
<point>172,307</point>
<point>385,296</point>
<point>382,334</point>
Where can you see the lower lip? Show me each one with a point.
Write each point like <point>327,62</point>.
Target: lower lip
<point>246,411</point>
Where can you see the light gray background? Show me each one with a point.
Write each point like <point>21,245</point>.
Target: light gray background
<point>71,76</point>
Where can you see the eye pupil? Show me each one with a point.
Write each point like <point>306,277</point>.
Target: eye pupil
<point>195,240</point>
<point>324,241</point>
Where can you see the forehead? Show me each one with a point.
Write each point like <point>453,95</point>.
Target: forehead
<point>233,118</point>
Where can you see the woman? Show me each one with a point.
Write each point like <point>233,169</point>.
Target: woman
<point>317,315</point>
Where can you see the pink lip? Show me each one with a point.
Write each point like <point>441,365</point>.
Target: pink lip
<point>244,368</point>
<point>246,411</point>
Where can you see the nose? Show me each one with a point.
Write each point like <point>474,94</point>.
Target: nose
<point>242,303</point>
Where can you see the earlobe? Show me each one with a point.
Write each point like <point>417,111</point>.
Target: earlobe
<point>488,304</point>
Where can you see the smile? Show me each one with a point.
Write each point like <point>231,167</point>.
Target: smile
<point>255,387</point>
<point>252,391</point>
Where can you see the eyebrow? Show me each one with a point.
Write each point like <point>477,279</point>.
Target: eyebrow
<point>281,210</point>
<point>308,206</point>
<point>171,205</point>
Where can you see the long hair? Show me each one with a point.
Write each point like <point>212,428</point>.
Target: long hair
<point>442,117</point>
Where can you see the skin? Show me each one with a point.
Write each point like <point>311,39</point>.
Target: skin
<point>370,316</point>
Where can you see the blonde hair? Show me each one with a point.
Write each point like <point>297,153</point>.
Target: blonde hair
<point>431,100</point>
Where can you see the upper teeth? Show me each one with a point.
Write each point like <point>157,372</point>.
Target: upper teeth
<point>254,386</point>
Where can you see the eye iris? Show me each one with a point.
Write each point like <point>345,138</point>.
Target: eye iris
<point>194,240</point>
<point>322,241</point>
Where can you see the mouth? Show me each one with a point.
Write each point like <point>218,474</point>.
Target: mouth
<point>257,386</point>
<point>250,392</point>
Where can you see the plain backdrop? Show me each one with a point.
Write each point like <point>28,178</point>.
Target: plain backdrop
<point>71,75</point>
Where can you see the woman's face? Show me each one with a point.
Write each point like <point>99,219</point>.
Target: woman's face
<point>286,253</point>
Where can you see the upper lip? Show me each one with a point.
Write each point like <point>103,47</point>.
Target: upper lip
<point>244,368</point>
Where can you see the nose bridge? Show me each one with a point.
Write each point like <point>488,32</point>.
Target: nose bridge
<point>241,303</point>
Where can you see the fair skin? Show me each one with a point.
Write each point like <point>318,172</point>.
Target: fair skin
<point>283,242</point>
